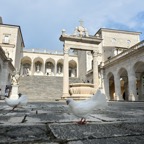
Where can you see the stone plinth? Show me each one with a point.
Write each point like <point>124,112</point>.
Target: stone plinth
<point>14,93</point>
<point>81,90</point>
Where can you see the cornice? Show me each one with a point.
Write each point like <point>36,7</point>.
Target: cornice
<point>117,31</point>
<point>90,40</point>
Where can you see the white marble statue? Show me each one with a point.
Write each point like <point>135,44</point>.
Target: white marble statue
<point>15,78</point>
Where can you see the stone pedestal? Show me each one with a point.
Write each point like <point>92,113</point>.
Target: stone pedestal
<point>14,93</point>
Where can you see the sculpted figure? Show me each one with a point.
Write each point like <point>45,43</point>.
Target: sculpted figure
<point>15,78</point>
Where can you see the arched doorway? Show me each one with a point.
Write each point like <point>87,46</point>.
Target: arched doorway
<point>139,72</point>
<point>111,86</point>
<point>123,83</point>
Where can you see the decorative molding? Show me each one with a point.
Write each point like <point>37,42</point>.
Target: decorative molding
<point>7,45</point>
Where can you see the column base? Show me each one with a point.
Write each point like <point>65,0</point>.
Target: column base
<point>65,96</point>
<point>14,93</point>
<point>133,98</point>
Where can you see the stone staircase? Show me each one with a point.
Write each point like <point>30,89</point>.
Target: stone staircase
<point>43,88</point>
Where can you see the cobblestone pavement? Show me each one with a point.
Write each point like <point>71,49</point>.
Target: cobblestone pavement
<point>119,123</point>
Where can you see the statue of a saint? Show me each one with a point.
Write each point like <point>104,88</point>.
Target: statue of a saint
<point>37,68</point>
<point>28,71</point>
<point>59,69</point>
<point>15,78</point>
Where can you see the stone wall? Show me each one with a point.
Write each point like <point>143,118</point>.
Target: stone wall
<point>82,65</point>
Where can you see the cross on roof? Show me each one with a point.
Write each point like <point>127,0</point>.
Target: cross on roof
<point>81,22</point>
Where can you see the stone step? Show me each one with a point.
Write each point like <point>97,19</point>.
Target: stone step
<point>43,88</point>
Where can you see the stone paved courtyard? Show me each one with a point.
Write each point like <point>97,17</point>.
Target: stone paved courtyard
<point>119,123</point>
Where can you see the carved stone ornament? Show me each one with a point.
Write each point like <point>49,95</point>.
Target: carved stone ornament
<point>66,50</point>
<point>80,30</point>
<point>96,53</point>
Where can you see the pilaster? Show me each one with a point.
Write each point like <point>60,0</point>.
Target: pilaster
<point>106,87</point>
<point>55,69</point>
<point>132,85</point>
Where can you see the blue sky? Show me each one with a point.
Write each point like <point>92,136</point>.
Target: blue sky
<point>42,21</point>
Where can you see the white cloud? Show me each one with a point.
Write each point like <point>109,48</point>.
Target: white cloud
<point>42,20</point>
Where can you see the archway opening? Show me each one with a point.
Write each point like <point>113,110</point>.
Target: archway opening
<point>111,86</point>
<point>26,66</point>
<point>72,68</point>
<point>139,72</point>
<point>123,83</point>
<point>38,66</point>
<point>50,67</point>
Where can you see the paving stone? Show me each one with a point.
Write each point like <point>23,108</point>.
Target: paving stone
<point>118,140</point>
<point>120,123</point>
<point>20,133</point>
<point>135,127</point>
<point>76,132</point>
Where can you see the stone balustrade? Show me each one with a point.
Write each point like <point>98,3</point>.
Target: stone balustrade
<point>126,52</point>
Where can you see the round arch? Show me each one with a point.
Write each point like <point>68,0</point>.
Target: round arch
<point>26,59</point>
<point>26,63</point>
<point>110,77</point>
<point>38,66</point>
<point>72,68</point>
<point>60,67</point>
<point>50,67</point>
<point>139,73</point>
<point>123,74</point>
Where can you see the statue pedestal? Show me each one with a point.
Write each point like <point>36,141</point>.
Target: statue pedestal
<point>14,93</point>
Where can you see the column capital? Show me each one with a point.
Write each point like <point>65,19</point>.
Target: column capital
<point>96,53</point>
<point>66,50</point>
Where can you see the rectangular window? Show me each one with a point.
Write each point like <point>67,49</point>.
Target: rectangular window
<point>6,39</point>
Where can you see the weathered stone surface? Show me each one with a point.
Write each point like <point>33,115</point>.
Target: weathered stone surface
<point>120,123</point>
<point>74,131</point>
<point>117,140</point>
<point>19,133</point>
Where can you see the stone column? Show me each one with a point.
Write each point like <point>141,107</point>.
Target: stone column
<point>43,69</point>
<point>95,69</point>
<point>32,65</point>
<point>117,87</point>
<point>102,76</point>
<point>106,87</point>
<point>77,71</point>
<point>66,73</point>
<point>55,73</point>
<point>14,92</point>
<point>132,85</point>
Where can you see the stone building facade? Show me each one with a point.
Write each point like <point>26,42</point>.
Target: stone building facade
<point>6,70</point>
<point>116,65</point>
<point>48,64</point>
